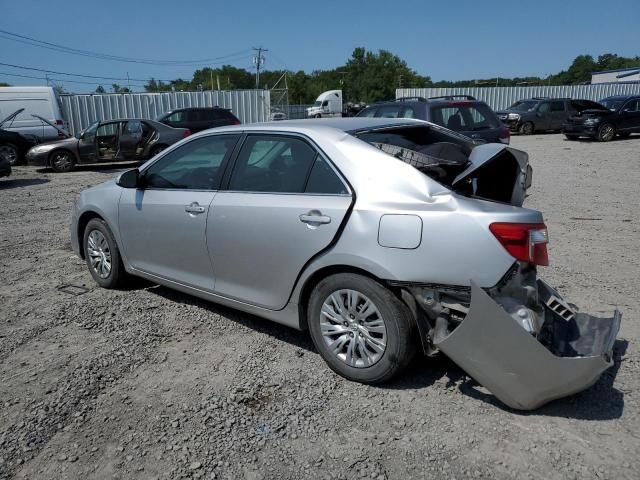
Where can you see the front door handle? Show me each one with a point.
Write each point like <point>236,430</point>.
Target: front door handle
<point>315,218</point>
<point>194,208</point>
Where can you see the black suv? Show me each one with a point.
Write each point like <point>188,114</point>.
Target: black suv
<point>197,119</point>
<point>613,115</point>
<point>461,113</point>
<point>542,113</point>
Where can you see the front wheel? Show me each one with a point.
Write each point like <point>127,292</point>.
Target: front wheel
<point>10,152</point>
<point>102,255</point>
<point>62,161</point>
<point>606,132</point>
<point>527,128</point>
<point>361,329</point>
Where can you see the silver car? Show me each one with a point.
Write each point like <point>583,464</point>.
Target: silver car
<point>378,236</point>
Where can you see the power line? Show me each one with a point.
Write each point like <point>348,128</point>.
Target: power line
<point>104,56</point>
<point>79,74</point>
<point>60,80</point>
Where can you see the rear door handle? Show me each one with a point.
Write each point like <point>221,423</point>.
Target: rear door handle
<point>194,208</point>
<point>315,217</point>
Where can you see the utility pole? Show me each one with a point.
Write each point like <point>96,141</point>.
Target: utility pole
<point>259,60</point>
<point>211,72</point>
<point>128,82</point>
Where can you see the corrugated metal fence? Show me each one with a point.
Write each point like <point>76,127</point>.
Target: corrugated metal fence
<point>501,97</point>
<point>80,111</point>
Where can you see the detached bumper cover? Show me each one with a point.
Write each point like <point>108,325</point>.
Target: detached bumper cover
<point>516,367</point>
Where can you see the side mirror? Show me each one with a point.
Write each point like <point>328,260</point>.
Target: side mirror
<point>129,179</point>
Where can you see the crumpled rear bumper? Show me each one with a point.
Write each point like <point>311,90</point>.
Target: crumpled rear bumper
<point>515,366</point>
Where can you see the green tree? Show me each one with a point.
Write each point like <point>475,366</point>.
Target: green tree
<point>118,89</point>
<point>3,84</point>
<point>100,89</point>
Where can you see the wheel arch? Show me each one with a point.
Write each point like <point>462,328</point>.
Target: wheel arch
<point>61,149</point>
<point>83,221</point>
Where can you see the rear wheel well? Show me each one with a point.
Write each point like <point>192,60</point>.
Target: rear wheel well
<point>323,273</point>
<point>84,219</point>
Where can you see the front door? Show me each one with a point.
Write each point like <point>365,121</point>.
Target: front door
<point>559,114</point>
<point>284,204</point>
<point>163,224</point>
<point>87,144</point>
<point>630,117</point>
<point>543,116</point>
<point>107,140</point>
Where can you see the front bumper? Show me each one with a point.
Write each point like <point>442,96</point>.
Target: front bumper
<point>521,370</point>
<point>37,159</point>
<point>580,129</point>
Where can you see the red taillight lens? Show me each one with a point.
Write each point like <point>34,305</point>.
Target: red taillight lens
<point>237,122</point>
<point>186,133</point>
<point>524,241</point>
<point>59,122</point>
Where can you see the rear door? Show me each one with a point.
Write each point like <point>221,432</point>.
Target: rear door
<point>559,114</point>
<point>163,225</point>
<point>131,138</point>
<point>284,204</point>
<point>543,116</point>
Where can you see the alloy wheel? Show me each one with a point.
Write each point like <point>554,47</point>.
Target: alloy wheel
<point>62,161</point>
<point>353,328</point>
<point>606,132</point>
<point>10,153</point>
<point>99,253</point>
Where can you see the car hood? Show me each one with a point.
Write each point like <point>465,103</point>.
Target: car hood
<point>70,142</point>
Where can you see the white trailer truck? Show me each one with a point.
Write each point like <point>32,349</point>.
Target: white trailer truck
<point>328,104</point>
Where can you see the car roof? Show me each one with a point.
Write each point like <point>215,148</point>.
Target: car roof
<point>621,97</point>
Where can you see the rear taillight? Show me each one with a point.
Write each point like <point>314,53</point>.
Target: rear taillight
<point>186,133</point>
<point>505,135</point>
<point>59,122</point>
<point>524,241</point>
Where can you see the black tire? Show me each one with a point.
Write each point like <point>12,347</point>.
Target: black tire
<point>624,135</point>
<point>116,276</point>
<point>571,137</point>
<point>527,128</point>
<point>156,150</point>
<point>62,160</point>
<point>400,343</point>
<point>11,153</point>
<point>606,132</point>
<point>317,116</point>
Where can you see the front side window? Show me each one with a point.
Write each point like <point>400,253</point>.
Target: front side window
<point>390,111</point>
<point>632,106</point>
<point>557,106</point>
<point>176,117</point>
<point>272,163</point>
<point>367,112</point>
<point>408,112</point>
<point>544,107</point>
<point>196,165</point>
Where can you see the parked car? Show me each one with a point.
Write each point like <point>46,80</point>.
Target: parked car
<point>278,115</point>
<point>542,113</point>
<point>5,166</point>
<point>618,115</point>
<point>14,145</point>
<point>376,235</point>
<point>107,141</point>
<point>460,113</point>
<point>200,118</point>
<point>41,101</point>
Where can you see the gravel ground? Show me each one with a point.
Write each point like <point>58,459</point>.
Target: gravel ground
<point>150,383</point>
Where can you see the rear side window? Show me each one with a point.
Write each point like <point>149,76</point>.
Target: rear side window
<point>368,112</point>
<point>323,179</point>
<point>408,112</point>
<point>466,117</point>
<point>176,117</point>
<point>632,106</point>
<point>272,163</point>
<point>391,111</point>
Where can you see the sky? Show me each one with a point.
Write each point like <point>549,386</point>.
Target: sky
<point>446,40</point>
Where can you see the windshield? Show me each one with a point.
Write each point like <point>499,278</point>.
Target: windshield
<point>612,103</point>
<point>523,105</point>
<point>90,129</point>
<point>317,104</point>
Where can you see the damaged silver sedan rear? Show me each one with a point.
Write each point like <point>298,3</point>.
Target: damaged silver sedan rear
<point>378,236</point>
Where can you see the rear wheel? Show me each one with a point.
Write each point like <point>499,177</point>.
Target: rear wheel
<point>361,329</point>
<point>62,161</point>
<point>527,128</point>
<point>606,132</point>
<point>10,152</point>
<point>102,255</point>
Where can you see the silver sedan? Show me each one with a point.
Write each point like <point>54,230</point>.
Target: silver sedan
<point>380,237</point>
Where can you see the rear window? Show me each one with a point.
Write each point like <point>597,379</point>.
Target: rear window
<point>464,117</point>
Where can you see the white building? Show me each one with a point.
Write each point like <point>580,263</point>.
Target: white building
<point>620,75</point>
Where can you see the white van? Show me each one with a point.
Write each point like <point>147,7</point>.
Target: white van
<point>40,101</point>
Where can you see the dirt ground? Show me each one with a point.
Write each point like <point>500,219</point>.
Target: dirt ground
<point>149,383</point>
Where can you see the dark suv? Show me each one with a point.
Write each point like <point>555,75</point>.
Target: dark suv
<point>619,115</point>
<point>461,113</point>
<point>542,113</point>
<point>197,119</point>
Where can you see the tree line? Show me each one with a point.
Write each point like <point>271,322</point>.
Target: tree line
<point>369,77</point>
